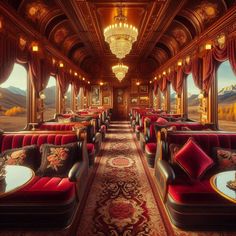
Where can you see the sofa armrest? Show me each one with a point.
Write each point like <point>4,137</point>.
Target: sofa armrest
<point>97,140</point>
<point>75,172</point>
<point>164,176</point>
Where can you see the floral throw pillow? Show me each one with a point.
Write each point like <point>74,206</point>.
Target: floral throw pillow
<point>26,156</point>
<point>226,158</point>
<point>57,160</point>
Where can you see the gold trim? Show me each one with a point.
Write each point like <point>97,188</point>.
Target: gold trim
<point>19,187</point>
<point>212,182</point>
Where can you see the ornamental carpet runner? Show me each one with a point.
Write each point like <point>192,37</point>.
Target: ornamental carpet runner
<point>122,199</point>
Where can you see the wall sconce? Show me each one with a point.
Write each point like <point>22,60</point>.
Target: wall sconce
<point>164,73</point>
<point>179,63</point>
<point>150,82</point>
<point>101,83</point>
<point>83,79</point>
<point>208,46</point>
<point>42,96</point>
<point>65,97</point>
<point>187,59</point>
<point>88,82</point>
<point>22,43</point>
<point>61,64</point>
<point>155,78</point>
<point>138,83</point>
<point>75,73</point>
<point>35,47</point>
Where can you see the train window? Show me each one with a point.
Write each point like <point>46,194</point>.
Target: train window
<point>173,105</point>
<point>13,93</point>
<point>80,97</point>
<point>162,101</point>
<point>50,99</point>
<point>226,97</point>
<point>193,100</point>
<point>68,99</point>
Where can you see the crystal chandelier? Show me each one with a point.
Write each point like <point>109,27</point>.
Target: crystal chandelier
<point>120,36</point>
<point>120,71</point>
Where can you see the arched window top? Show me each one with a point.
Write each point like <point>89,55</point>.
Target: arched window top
<point>13,93</point>
<point>226,82</point>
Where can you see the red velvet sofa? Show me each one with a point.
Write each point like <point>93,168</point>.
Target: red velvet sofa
<point>148,139</point>
<point>192,203</point>
<point>94,140</point>
<point>45,202</point>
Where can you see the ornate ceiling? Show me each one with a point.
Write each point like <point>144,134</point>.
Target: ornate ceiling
<point>75,27</point>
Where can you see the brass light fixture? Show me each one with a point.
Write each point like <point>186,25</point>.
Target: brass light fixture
<point>120,36</point>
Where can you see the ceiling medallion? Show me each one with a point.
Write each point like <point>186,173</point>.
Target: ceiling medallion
<point>120,36</point>
<point>120,71</point>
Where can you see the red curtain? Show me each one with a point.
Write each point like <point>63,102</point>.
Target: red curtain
<point>155,89</point>
<point>7,57</point>
<point>46,70</point>
<point>231,51</point>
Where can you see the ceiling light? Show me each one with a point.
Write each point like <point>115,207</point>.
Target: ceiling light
<point>120,71</point>
<point>120,36</point>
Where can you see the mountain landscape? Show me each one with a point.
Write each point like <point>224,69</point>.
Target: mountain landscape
<point>13,96</point>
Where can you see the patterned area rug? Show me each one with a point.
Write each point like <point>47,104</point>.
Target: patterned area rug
<point>123,200</point>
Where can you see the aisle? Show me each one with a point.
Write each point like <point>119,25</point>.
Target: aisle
<point>121,201</point>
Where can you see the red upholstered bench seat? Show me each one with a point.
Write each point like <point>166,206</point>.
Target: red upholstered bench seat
<point>186,191</point>
<point>44,189</point>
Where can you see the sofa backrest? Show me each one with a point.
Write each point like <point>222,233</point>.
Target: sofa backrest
<point>16,140</point>
<point>207,140</point>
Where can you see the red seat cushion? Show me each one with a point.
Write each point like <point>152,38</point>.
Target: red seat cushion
<point>90,148</point>
<point>44,189</point>
<point>193,160</point>
<point>187,191</point>
<point>151,148</point>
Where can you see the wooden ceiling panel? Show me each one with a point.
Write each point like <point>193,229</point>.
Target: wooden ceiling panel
<point>76,27</point>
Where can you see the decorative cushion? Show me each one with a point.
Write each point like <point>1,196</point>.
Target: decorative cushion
<point>25,156</point>
<point>174,149</point>
<point>226,158</point>
<point>193,160</point>
<point>57,160</point>
<point>161,121</point>
<point>151,148</point>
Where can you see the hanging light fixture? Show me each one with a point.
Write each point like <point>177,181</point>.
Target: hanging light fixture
<point>120,71</point>
<point>120,36</point>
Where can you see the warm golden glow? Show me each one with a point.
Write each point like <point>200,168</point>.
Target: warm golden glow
<point>120,71</point>
<point>164,73</point>
<point>83,78</point>
<point>75,73</point>
<point>35,48</point>
<point>208,46</point>
<point>101,83</point>
<point>179,63</point>
<point>61,64</point>
<point>138,83</point>
<point>120,36</point>
<point>88,82</point>
<point>155,78</point>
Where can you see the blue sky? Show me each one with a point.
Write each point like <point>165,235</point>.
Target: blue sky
<point>18,78</point>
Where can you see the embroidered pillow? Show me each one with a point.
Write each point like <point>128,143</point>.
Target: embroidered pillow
<point>226,158</point>
<point>57,160</point>
<point>193,160</point>
<point>25,156</point>
<point>161,121</point>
